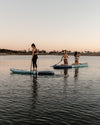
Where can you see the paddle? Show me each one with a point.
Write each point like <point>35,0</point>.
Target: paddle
<point>57,63</point>
<point>31,66</point>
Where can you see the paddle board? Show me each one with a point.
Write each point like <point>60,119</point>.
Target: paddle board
<point>70,66</point>
<point>19,71</point>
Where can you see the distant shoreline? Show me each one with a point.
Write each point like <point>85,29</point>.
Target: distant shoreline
<point>81,54</point>
<point>43,52</point>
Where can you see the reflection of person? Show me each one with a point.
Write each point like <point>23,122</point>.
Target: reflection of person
<point>34,86</point>
<point>66,73</point>
<point>75,79</point>
<point>76,72</point>
<point>76,55</point>
<point>65,57</point>
<point>34,91</point>
<point>34,56</point>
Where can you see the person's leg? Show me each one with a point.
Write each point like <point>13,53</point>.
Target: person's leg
<point>33,60</point>
<point>36,64</point>
<point>67,62</point>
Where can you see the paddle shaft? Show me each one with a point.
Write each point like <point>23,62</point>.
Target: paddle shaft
<point>57,63</point>
<point>31,66</point>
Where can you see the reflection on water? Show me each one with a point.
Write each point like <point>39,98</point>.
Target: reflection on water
<point>76,73</point>
<point>66,75</point>
<point>35,88</point>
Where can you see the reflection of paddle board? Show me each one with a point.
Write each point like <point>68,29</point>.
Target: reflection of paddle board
<point>70,66</point>
<point>18,71</point>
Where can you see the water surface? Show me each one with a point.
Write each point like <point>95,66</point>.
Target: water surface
<point>70,97</point>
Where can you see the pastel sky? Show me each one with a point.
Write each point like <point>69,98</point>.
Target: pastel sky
<point>50,24</point>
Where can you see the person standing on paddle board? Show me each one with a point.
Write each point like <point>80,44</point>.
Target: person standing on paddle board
<point>34,57</point>
<point>65,57</point>
<point>76,55</point>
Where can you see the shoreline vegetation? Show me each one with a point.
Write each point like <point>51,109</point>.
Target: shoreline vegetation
<point>43,52</point>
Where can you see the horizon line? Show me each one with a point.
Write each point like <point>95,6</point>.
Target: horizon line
<point>27,50</point>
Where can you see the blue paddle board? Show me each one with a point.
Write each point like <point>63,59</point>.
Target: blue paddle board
<point>70,66</point>
<point>18,71</point>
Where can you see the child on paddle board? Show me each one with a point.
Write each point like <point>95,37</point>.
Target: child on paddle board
<point>34,57</point>
<point>76,55</point>
<point>65,57</point>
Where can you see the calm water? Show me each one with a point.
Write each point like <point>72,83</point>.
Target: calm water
<point>70,97</point>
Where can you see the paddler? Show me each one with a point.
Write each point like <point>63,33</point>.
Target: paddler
<point>34,57</point>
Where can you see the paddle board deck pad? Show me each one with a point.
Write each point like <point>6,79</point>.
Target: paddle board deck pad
<point>70,66</point>
<point>18,71</point>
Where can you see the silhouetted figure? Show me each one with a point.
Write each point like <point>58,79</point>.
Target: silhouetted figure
<point>34,57</point>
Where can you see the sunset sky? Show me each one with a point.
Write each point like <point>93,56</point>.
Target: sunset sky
<point>50,24</point>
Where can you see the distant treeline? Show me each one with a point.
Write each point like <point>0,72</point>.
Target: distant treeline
<point>44,52</point>
<point>7,51</point>
<point>24,52</point>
